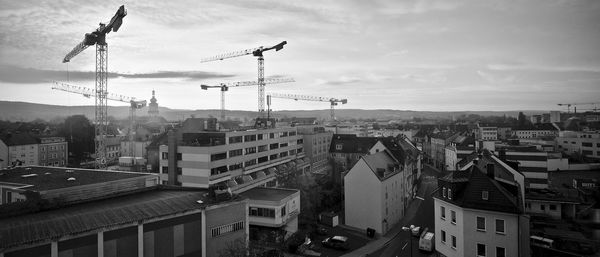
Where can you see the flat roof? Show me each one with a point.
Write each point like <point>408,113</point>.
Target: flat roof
<point>81,218</point>
<point>269,194</point>
<point>41,178</point>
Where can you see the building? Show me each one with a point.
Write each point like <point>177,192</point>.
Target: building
<point>18,149</point>
<point>153,109</point>
<point>54,151</point>
<point>479,211</point>
<point>538,131</point>
<point>139,224</point>
<point>272,213</point>
<point>438,142</point>
<point>553,203</point>
<point>113,148</point>
<point>200,155</point>
<point>345,150</point>
<point>534,164</point>
<point>316,141</point>
<point>487,132</point>
<point>554,116</point>
<point>374,193</point>
<point>578,142</point>
<point>459,148</point>
<point>68,185</point>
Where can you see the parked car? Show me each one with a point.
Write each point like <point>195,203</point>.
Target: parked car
<point>336,242</point>
<point>426,243</point>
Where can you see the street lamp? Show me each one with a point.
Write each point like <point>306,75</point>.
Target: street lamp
<point>409,229</point>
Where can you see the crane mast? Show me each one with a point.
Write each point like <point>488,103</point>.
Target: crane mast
<point>225,87</point>
<point>98,38</point>
<point>88,92</point>
<point>333,101</point>
<point>258,52</point>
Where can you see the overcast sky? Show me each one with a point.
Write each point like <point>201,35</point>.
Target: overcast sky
<point>406,55</point>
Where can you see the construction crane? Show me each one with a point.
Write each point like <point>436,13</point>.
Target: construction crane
<point>225,87</point>
<point>258,52</point>
<point>98,38</point>
<point>88,92</point>
<point>333,101</point>
<point>572,104</point>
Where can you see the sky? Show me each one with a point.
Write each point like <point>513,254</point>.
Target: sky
<point>422,55</point>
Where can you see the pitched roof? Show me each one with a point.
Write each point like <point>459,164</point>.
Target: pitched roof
<point>378,161</point>
<point>18,139</point>
<point>351,143</point>
<point>81,218</point>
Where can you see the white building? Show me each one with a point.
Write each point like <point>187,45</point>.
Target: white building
<point>479,212</point>
<point>585,143</point>
<point>272,210</point>
<point>373,193</point>
<point>487,133</point>
<point>18,149</point>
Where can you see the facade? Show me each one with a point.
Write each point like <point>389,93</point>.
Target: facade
<point>553,203</point>
<point>272,213</point>
<point>487,133</point>
<point>153,109</point>
<point>535,164</point>
<point>54,151</point>
<point>113,148</point>
<point>316,141</point>
<point>375,193</point>
<point>139,148</point>
<point>345,150</point>
<point>439,141</point>
<point>554,116</point>
<point>584,143</point>
<point>479,211</point>
<point>238,160</point>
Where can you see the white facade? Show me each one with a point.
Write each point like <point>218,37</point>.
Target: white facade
<point>585,143</point>
<point>523,134</point>
<point>467,235</point>
<point>275,212</point>
<point>487,133</point>
<point>27,154</point>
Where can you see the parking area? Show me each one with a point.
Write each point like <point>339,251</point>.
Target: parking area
<point>355,241</point>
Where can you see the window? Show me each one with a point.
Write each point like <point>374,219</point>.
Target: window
<point>283,211</point>
<point>218,170</point>
<point>443,237</point>
<point>283,154</point>
<point>229,228</point>
<point>443,212</point>
<point>262,148</point>
<point>260,136</point>
<point>283,145</point>
<point>553,207</point>
<point>179,156</point>
<point>218,156</point>
<point>484,195</point>
<point>179,171</point>
<point>165,156</point>
<point>449,193</point>
<point>500,226</point>
<point>271,135</point>
<point>500,252</point>
<point>542,207</point>
<point>236,139</point>
<point>587,144</point>
<point>165,169</point>
<point>454,242</point>
<point>338,147</point>
<point>274,146</point>
<point>273,157</point>
<point>250,163</point>
<point>444,192</point>
<point>262,212</point>
<point>480,249</point>
<point>292,133</point>
<point>235,166</point>
<point>250,150</point>
<point>453,217</point>
<point>481,223</point>
<point>236,152</point>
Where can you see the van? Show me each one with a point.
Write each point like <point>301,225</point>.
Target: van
<point>426,242</point>
<point>542,242</point>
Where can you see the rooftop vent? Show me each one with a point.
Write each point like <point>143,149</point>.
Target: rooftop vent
<point>199,201</point>
<point>69,171</point>
<point>71,179</point>
<point>29,175</point>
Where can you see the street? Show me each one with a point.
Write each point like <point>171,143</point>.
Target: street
<point>400,245</point>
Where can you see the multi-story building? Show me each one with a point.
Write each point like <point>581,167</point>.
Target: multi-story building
<point>534,164</point>
<point>18,149</point>
<point>554,116</point>
<point>238,160</point>
<point>113,148</point>
<point>272,213</point>
<point>54,151</point>
<point>479,211</point>
<point>439,141</point>
<point>383,204</point>
<point>345,150</point>
<point>584,143</point>
<point>504,132</point>
<point>538,131</point>
<point>316,141</point>
<point>487,132</point>
<point>459,148</point>
<point>141,219</point>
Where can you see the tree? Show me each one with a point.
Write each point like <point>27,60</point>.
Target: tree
<point>239,248</point>
<point>79,133</point>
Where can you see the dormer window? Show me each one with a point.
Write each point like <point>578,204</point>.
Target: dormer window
<point>449,193</point>
<point>338,147</point>
<point>444,192</point>
<point>484,195</point>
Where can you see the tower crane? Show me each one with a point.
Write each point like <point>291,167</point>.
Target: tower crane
<point>225,87</point>
<point>333,101</point>
<point>572,104</point>
<point>88,92</point>
<point>98,38</point>
<point>258,52</point>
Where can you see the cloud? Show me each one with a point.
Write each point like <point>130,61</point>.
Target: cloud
<point>339,81</point>
<point>13,74</point>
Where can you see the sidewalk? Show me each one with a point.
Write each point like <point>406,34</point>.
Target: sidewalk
<point>395,231</point>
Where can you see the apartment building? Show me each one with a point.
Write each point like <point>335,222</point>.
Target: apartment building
<point>534,164</point>
<point>487,132</point>
<point>375,193</point>
<point>479,211</point>
<point>272,213</point>
<point>54,151</point>
<point>584,143</point>
<point>438,143</point>
<point>316,141</point>
<point>537,131</point>
<point>235,160</point>
<point>345,150</point>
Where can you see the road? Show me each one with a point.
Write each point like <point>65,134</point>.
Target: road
<point>400,245</point>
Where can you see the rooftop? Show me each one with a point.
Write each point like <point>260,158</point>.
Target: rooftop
<point>47,178</point>
<point>18,139</point>
<point>80,218</point>
<point>351,143</point>
<point>269,194</point>
<point>378,161</point>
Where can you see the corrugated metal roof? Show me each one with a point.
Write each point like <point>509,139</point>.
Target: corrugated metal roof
<point>91,216</point>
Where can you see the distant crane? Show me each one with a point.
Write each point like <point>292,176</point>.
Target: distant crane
<point>258,52</point>
<point>88,92</point>
<point>572,104</point>
<point>98,38</point>
<point>333,101</point>
<point>225,87</point>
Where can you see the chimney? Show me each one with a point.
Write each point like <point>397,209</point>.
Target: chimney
<point>475,161</point>
<point>381,172</point>
<point>502,154</point>
<point>490,170</point>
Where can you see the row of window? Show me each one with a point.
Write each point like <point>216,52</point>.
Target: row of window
<point>481,248</point>
<point>262,212</point>
<point>52,148</point>
<point>255,137</point>
<point>452,215</point>
<point>500,225</point>
<point>229,228</point>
